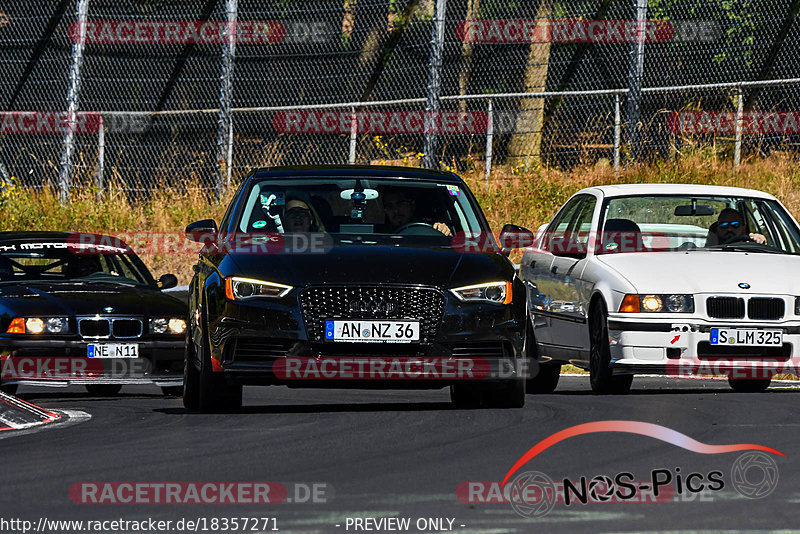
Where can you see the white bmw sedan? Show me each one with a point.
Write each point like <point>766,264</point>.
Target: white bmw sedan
<point>672,279</point>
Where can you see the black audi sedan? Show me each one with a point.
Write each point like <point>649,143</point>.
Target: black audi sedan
<point>355,277</point>
<point>84,309</point>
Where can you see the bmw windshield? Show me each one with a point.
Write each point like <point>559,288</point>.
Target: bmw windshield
<point>61,262</point>
<point>362,211</point>
<point>665,223</point>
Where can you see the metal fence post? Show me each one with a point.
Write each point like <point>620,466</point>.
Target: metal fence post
<point>101,157</point>
<point>73,98</point>
<point>635,72</point>
<point>225,123</point>
<point>434,84</point>
<point>737,152</point>
<point>353,135</point>
<point>489,140</point>
<point>617,130</point>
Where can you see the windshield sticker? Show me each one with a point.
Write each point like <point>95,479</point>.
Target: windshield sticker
<point>273,199</point>
<point>259,224</point>
<point>453,190</point>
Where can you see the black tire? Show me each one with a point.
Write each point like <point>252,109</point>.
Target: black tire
<point>103,390</point>
<point>601,377</point>
<point>172,391</point>
<point>744,385</point>
<point>466,396</point>
<point>215,395</point>
<point>546,380</point>
<point>545,375</point>
<point>191,377</point>
<point>10,389</point>
<point>510,395</point>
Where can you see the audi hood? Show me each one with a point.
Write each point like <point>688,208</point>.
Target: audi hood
<point>373,264</point>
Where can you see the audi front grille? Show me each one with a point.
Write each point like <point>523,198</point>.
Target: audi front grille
<point>422,304</point>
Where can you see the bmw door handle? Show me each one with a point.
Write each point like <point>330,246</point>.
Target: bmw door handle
<point>533,264</point>
<point>554,270</point>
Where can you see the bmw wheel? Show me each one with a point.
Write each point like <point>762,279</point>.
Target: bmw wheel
<point>103,390</point>
<point>744,385</point>
<point>601,376</point>
<point>11,389</point>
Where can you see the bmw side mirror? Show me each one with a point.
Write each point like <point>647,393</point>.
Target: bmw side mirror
<point>202,231</point>
<point>167,281</point>
<point>513,237</point>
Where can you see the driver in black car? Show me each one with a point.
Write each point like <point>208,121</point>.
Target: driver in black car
<point>401,211</point>
<point>731,227</point>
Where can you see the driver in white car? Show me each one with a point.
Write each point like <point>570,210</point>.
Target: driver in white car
<point>729,226</point>
<point>400,211</point>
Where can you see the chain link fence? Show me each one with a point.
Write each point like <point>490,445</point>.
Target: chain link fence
<point>140,95</point>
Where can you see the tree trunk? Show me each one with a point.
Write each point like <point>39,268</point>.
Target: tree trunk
<point>525,145</point>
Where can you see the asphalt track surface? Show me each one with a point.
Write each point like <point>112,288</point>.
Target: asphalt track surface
<point>404,453</point>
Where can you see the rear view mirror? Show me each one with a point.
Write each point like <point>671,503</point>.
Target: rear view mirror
<point>202,231</point>
<point>513,237</point>
<point>689,210</point>
<point>369,194</point>
<point>167,281</point>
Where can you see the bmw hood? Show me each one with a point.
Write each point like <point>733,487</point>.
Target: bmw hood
<point>373,264</point>
<point>708,272</point>
<point>52,299</point>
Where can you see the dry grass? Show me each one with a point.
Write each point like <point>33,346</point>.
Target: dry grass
<point>525,199</point>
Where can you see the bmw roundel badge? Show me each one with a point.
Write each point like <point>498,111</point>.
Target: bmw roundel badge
<point>744,285</point>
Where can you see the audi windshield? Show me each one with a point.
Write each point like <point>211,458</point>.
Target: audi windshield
<point>362,210</point>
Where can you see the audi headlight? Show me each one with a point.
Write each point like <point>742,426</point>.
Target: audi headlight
<point>497,292</point>
<point>669,303</point>
<point>163,325</point>
<point>237,288</point>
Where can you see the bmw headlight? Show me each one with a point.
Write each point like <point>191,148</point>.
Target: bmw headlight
<point>56,325</point>
<point>163,325</point>
<point>797,305</point>
<point>38,325</point>
<point>34,325</point>
<point>238,288</point>
<point>497,292</point>
<point>665,303</point>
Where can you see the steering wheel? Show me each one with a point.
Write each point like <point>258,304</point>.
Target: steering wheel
<point>422,229</point>
<point>744,238</point>
<point>686,246</point>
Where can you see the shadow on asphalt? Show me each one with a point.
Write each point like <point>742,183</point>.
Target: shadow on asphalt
<point>330,408</point>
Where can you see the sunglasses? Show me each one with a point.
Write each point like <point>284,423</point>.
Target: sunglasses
<point>730,224</point>
<point>298,213</point>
